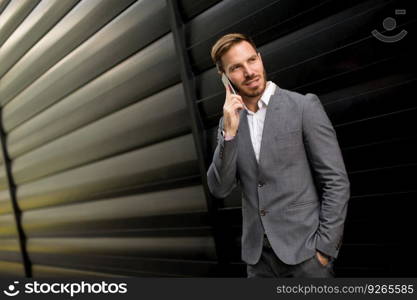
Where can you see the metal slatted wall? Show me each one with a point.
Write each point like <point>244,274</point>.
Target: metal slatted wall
<point>100,144</point>
<point>99,129</point>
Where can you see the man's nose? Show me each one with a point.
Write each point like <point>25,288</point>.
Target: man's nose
<point>248,71</point>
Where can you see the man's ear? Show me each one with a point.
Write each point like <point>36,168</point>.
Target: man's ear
<point>219,69</point>
<point>260,57</point>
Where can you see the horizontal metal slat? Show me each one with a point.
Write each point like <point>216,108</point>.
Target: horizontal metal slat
<point>11,270</point>
<point>3,5</point>
<point>10,250</point>
<point>5,202</point>
<point>3,180</point>
<point>131,266</point>
<point>383,181</point>
<point>394,125</point>
<point>370,99</point>
<point>379,155</point>
<point>7,226</point>
<point>42,271</point>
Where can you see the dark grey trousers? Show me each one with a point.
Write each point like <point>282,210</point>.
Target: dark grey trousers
<point>269,265</point>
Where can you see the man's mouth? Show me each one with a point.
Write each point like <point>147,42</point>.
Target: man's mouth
<point>252,82</point>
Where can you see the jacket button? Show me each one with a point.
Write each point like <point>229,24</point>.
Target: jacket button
<point>262,212</point>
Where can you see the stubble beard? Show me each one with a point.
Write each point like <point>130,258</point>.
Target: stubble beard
<point>247,93</point>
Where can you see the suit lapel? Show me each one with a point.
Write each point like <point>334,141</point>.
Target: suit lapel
<point>272,118</point>
<point>245,136</point>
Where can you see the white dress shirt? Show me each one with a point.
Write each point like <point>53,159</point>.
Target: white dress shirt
<point>256,119</point>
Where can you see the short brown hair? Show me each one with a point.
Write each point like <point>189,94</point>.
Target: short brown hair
<point>226,42</point>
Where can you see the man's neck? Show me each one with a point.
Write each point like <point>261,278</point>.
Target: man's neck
<point>252,103</point>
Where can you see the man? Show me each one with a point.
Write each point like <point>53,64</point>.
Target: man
<point>282,149</point>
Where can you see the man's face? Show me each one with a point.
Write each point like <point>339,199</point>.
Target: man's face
<point>244,67</point>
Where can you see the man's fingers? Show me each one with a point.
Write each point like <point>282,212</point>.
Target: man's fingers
<point>234,107</point>
<point>233,98</point>
<point>228,91</point>
<point>237,105</point>
<point>238,102</point>
<point>234,104</point>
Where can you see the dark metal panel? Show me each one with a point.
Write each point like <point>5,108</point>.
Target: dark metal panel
<point>389,227</point>
<point>40,20</point>
<point>167,160</point>
<point>190,8</point>
<point>395,125</point>
<point>358,256</point>
<point>366,227</point>
<point>371,98</point>
<point>370,156</point>
<point>143,74</point>
<point>230,16</point>
<point>138,125</point>
<point>137,26</point>
<point>346,65</point>
<point>365,86</point>
<point>263,20</point>
<point>292,62</point>
<point>78,25</point>
<point>362,208</point>
<point>13,15</point>
<point>384,181</point>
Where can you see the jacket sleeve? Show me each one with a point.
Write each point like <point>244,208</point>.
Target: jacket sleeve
<point>329,171</point>
<point>221,175</point>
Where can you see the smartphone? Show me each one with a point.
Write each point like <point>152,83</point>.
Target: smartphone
<point>227,82</point>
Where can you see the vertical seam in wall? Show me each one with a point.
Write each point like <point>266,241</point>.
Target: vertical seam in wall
<point>12,192</point>
<point>188,82</point>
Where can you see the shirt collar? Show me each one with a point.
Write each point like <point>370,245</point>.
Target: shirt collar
<point>266,96</point>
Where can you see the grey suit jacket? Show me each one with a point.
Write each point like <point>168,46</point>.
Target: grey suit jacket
<point>298,193</point>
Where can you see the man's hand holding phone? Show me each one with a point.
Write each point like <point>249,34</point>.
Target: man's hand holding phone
<point>231,108</point>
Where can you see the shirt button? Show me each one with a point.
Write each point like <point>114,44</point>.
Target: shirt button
<point>260,184</point>
<point>262,212</point>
